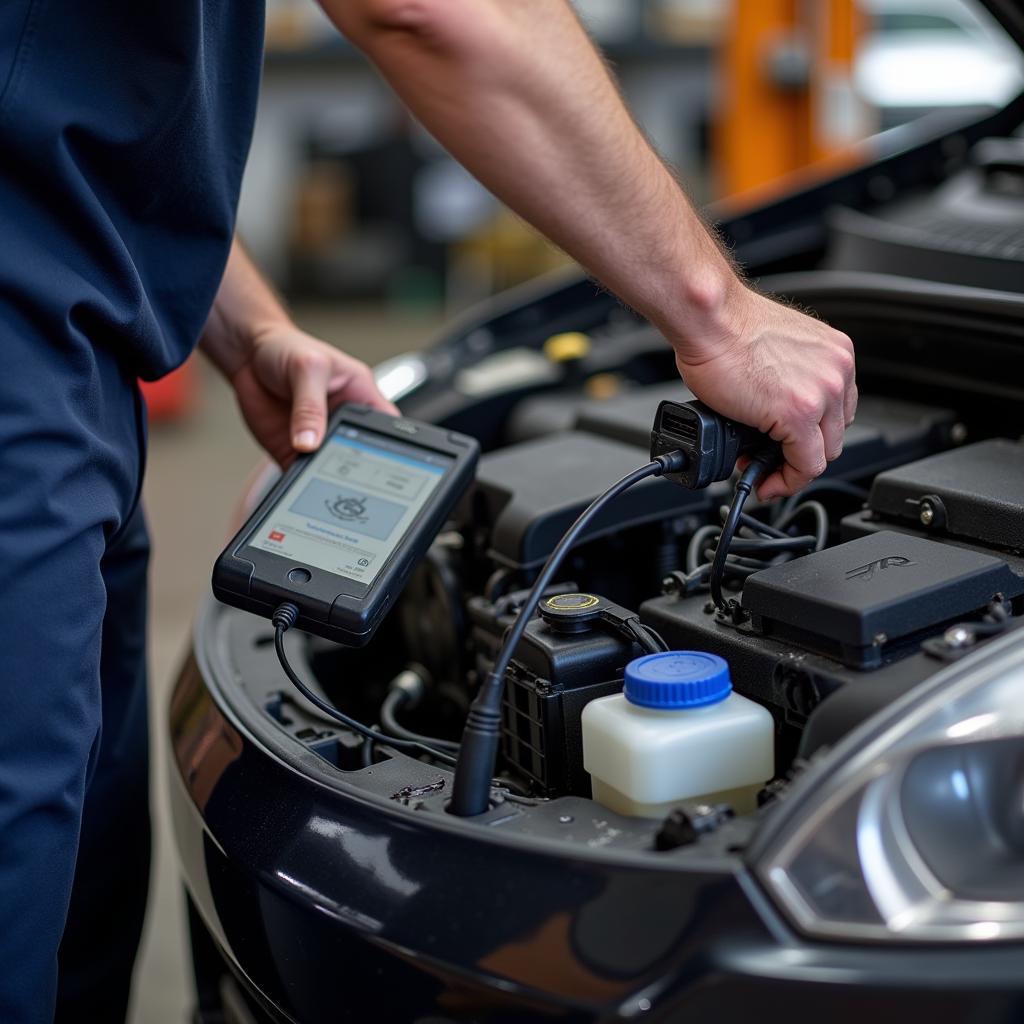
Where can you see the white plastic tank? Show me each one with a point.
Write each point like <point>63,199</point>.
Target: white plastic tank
<point>677,732</point>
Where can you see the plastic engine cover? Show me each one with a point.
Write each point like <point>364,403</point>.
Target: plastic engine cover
<point>530,493</point>
<point>853,600</point>
<point>975,492</point>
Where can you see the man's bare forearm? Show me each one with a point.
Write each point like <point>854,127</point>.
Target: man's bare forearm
<point>517,93</point>
<point>245,305</point>
<point>284,379</point>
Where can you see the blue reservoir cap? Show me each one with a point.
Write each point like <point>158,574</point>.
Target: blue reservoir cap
<point>677,679</point>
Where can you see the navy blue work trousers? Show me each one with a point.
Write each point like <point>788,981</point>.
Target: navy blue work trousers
<point>74,818</point>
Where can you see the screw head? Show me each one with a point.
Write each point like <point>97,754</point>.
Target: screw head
<point>958,433</point>
<point>927,516</point>
<point>958,636</point>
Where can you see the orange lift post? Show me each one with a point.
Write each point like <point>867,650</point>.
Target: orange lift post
<point>787,94</point>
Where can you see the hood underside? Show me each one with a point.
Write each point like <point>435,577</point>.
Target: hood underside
<point>1009,14</point>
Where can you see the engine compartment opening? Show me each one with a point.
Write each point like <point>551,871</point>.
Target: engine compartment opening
<point>906,554</point>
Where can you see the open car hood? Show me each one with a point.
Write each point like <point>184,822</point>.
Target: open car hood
<point>776,231</point>
<point>1009,14</point>
<point>768,232</point>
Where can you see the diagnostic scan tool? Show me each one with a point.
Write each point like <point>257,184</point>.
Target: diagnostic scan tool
<point>344,527</point>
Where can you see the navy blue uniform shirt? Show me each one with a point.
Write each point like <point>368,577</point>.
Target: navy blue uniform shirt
<point>124,129</point>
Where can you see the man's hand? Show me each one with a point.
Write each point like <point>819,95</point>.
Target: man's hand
<point>787,374</point>
<point>285,380</point>
<point>289,383</point>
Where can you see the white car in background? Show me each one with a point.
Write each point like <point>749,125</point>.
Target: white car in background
<point>925,55</point>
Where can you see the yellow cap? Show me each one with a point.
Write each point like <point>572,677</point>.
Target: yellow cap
<point>563,348</point>
<point>603,385</point>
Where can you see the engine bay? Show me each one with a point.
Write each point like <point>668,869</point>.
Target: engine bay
<point>907,554</point>
<point>903,557</point>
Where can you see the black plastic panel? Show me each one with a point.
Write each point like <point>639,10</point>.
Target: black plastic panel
<point>530,493</point>
<point>854,599</point>
<point>976,492</point>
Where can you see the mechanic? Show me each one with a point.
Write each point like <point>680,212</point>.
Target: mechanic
<point>125,128</point>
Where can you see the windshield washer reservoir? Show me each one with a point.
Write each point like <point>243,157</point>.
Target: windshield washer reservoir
<point>677,732</point>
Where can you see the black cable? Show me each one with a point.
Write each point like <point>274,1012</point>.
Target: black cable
<point>758,466</point>
<point>820,520</point>
<point>757,526</point>
<point>316,715</point>
<point>691,581</point>
<point>755,564</point>
<point>744,544</point>
<point>735,569</point>
<point>631,628</point>
<point>390,724</point>
<point>283,619</point>
<point>658,637</point>
<point>769,545</point>
<point>479,748</point>
<point>768,539</point>
<point>695,549</point>
<point>816,486</point>
<point>645,637</point>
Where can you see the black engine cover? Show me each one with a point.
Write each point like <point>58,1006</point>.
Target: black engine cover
<point>853,600</point>
<point>976,493</point>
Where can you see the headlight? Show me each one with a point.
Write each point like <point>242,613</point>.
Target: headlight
<point>912,829</point>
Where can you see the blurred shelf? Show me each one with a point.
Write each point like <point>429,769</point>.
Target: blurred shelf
<point>327,54</point>
<point>341,54</point>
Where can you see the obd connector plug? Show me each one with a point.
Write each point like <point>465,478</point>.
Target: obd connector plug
<point>710,442</point>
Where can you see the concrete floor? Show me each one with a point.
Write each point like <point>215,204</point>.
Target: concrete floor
<point>196,471</point>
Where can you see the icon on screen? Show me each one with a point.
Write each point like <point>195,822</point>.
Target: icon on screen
<point>276,535</point>
<point>349,509</point>
<point>364,562</point>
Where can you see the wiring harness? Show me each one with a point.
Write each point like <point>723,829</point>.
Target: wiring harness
<point>283,619</point>
<point>745,544</point>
